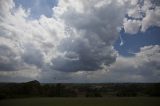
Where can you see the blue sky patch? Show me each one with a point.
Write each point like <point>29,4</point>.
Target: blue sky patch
<point>133,43</point>
<point>38,7</point>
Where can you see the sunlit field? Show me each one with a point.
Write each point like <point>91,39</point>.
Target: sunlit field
<point>125,101</point>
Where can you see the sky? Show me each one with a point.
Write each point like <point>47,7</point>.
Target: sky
<point>80,41</point>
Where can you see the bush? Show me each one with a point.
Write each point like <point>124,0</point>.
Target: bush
<point>2,96</point>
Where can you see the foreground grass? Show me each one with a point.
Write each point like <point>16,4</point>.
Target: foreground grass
<point>135,101</point>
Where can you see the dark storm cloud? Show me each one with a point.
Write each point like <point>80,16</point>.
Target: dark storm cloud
<point>33,56</point>
<point>156,2</point>
<point>83,54</point>
<point>92,32</point>
<point>8,59</point>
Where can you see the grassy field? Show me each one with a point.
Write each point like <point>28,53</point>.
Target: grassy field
<point>82,102</point>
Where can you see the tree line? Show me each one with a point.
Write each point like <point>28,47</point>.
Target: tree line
<point>36,89</point>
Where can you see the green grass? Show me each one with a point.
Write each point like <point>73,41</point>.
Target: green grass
<point>139,101</point>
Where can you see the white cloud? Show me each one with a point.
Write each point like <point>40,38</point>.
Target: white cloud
<point>144,65</point>
<point>30,43</point>
<point>143,15</point>
<point>152,18</point>
<point>131,26</point>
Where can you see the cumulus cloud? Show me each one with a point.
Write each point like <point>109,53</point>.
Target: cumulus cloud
<point>33,56</point>
<point>32,40</point>
<point>5,7</point>
<point>152,18</point>
<point>131,26</point>
<point>143,15</point>
<point>93,30</point>
<point>143,67</point>
<point>75,43</point>
<point>9,61</point>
